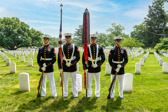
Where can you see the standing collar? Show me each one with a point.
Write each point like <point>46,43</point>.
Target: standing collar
<point>68,44</point>
<point>118,47</point>
<point>93,44</point>
<point>46,45</point>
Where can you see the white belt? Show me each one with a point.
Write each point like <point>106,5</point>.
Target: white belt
<point>67,60</point>
<point>117,62</point>
<point>94,60</point>
<point>46,59</point>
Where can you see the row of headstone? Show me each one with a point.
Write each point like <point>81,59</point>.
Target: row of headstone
<point>161,63</point>
<point>165,65</point>
<point>5,58</point>
<point>136,54</point>
<point>13,65</point>
<point>138,65</point>
<point>164,54</point>
<point>159,59</point>
<point>17,53</point>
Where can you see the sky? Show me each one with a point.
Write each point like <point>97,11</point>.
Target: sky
<point>44,15</point>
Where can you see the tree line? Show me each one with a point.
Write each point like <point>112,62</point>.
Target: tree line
<point>151,33</point>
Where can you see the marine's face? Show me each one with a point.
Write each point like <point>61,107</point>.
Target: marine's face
<point>68,40</point>
<point>93,41</point>
<point>118,42</point>
<point>46,41</point>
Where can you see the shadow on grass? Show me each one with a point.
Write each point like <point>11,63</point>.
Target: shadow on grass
<point>112,105</point>
<point>8,74</point>
<point>84,104</point>
<point>58,105</point>
<point>18,92</point>
<point>32,104</point>
<point>107,75</point>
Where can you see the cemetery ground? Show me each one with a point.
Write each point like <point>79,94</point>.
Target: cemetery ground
<point>150,90</point>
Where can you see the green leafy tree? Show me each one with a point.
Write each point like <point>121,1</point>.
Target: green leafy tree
<point>14,33</point>
<point>131,42</point>
<point>115,30</point>
<point>102,39</point>
<point>36,37</point>
<point>162,45</point>
<point>54,41</point>
<point>78,36</point>
<point>139,32</point>
<point>155,23</point>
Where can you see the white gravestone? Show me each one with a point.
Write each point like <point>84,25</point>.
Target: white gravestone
<point>13,68</point>
<point>22,59</point>
<point>137,68</point>
<point>165,68</point>
<point>144,58</point>
<point>26,55</point>
<point>24,84</point>
<point>18,56</point>
<point>142,61</point>
<point>160,61</point>
<point>8,61</point>
<point>30,62</point>
<point>5,57</point>
<point>79,82</point>
<point>108,69</point>
<point>128,82</point>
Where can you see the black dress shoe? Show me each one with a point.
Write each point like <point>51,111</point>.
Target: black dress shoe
<point>65,97</point>
<point>54,97</point>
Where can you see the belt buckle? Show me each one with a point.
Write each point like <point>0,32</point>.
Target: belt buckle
<point>44,59</point>
<point>68,59</point>
<point>94,60</point>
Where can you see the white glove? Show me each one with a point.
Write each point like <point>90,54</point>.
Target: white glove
<point>94,65</point>
<point>44,65</point>
<point>60,70</point>
<point>68,64</point>
<point>43,69</point>
<point>86,70</point>
<point>117,70</point>
<point>118,66</point>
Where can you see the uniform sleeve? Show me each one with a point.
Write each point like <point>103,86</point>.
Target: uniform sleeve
<point>110,59</point>
<point>125,59</point>
<point>102,55</point>
<point>77,54</point>
<point>38,58</point>
<point>53,57</point>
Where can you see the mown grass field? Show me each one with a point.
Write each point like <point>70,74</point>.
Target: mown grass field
<point>150,90</point>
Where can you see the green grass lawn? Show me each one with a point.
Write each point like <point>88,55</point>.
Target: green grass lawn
<point>150,90</point>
